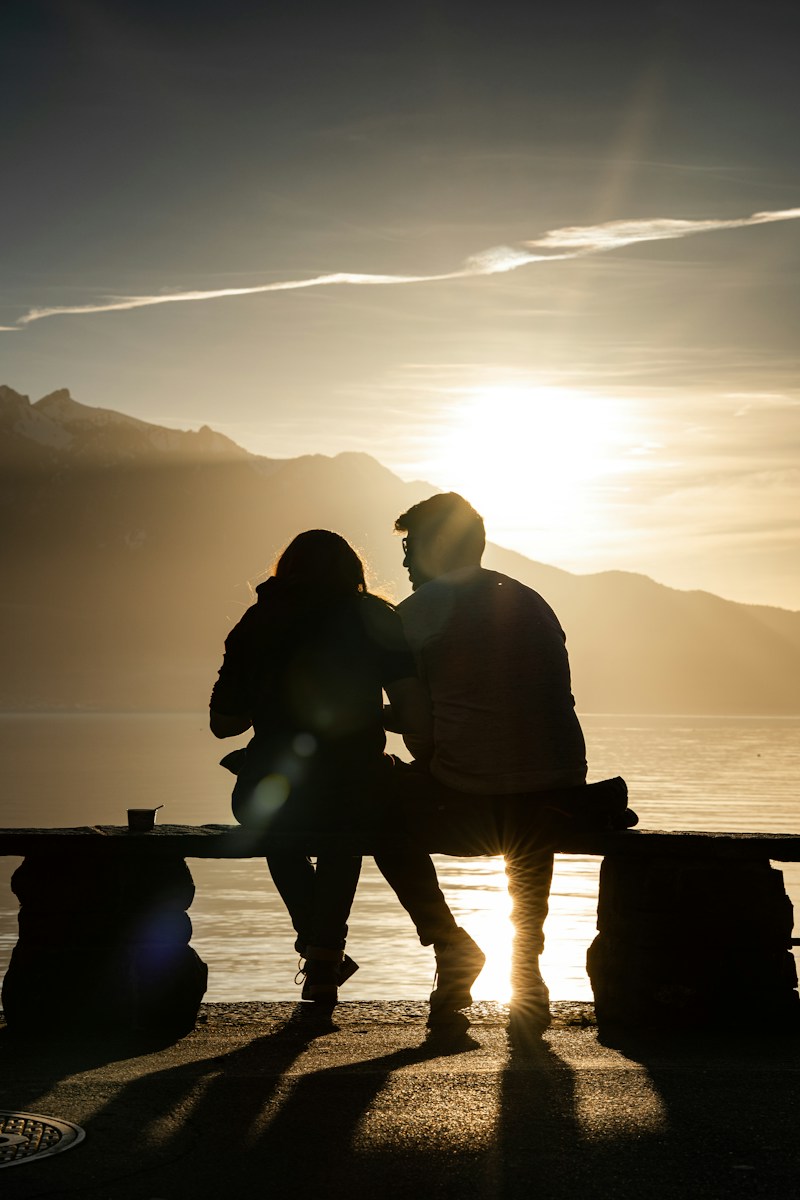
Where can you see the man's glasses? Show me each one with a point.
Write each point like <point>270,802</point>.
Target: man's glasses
<point>404,544</point>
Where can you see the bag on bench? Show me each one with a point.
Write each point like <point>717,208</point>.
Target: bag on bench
<point>595,807</point>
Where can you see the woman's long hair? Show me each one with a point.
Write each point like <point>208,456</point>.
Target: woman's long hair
<point>322,564</point>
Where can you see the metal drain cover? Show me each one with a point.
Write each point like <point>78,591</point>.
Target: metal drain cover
<point>27,1137</point>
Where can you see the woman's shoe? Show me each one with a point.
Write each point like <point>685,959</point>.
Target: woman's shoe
<point>322,972</point>
<point>347,968</point>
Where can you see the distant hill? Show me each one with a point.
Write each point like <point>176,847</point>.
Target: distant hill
<point>126,550</point>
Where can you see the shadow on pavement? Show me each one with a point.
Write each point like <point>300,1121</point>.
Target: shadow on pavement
<point>728,1124</point>
<point>459,1114</point>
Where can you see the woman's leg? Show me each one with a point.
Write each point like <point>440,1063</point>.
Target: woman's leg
<point>326,965</point>
<point>318,899</point>
<point>294,876</point>
<point>335,885</point>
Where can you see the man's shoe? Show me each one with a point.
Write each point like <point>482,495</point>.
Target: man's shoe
<point>459,962</point>
<point>530,1006</point>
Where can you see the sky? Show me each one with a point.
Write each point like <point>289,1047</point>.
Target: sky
<point>549,258</point>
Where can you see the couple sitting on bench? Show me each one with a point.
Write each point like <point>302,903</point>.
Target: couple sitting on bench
<point>475,668</point>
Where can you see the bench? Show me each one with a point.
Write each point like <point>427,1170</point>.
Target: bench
<point>694,929</point>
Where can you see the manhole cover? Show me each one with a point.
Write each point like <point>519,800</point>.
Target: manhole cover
<point>25,1137</point>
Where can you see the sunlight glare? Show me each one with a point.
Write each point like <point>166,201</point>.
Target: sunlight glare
<point>490,925</point>
<point>485,909</point>
<point>528,455</point>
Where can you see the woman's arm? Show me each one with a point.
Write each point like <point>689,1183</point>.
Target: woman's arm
<point>230,698</point>
<point>409,713</point>
<point>230,703</point>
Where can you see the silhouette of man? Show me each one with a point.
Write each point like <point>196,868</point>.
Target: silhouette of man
<point>493,657</point>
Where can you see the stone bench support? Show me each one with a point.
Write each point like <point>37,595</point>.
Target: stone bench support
<point>692,943</point>
<point>694,929</point>
<point>104,945</point>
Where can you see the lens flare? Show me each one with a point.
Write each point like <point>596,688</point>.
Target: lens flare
<point>269,796</point>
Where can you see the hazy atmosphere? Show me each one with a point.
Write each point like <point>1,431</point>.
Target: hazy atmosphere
<point>275,276</point>
<point>548,260</point>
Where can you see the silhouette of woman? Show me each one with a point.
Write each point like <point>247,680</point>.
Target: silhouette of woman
<point>306,667</point>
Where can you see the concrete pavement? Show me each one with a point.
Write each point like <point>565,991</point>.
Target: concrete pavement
<point>261,1101</point>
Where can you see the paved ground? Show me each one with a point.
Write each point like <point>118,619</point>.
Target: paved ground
<point>261,1102</point>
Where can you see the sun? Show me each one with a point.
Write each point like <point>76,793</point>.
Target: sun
<point>530,454</point>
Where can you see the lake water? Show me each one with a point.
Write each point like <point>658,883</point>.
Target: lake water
<point>697,773</point>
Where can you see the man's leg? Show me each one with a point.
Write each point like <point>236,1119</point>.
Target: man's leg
<point>411,875</point>
<point>459,960</point>
<point>425,814</point>
<point>422,815</point>
<point>529,874</point>
<point>529,870</point>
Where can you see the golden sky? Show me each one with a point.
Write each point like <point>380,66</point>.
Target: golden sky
<point>549,259</point>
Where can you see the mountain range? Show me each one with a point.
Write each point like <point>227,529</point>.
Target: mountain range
<point>128,550</point>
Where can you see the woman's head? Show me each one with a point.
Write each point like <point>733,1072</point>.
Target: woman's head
<point>321,562</point>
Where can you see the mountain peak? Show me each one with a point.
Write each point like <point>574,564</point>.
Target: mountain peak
<point>59,422</point>
<point>61,406</point>
<point>9,396</point>
<point>27,426</point>
<point>57,403</point>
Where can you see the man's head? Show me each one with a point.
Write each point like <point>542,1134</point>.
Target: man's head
<point>442,533</point>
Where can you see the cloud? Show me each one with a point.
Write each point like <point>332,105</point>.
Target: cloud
<point>575,241</point>
<point>122,303</point>
<point>591,239</point>
<point>499,259</point>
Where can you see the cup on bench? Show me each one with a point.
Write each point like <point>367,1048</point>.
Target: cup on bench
<point>142,820</point>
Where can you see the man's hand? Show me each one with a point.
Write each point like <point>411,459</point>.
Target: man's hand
<point>409,713</point>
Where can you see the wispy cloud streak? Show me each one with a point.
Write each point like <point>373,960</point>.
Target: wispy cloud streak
<point>591,239</point>
<point>576,241</point>
<point>121,303</point>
